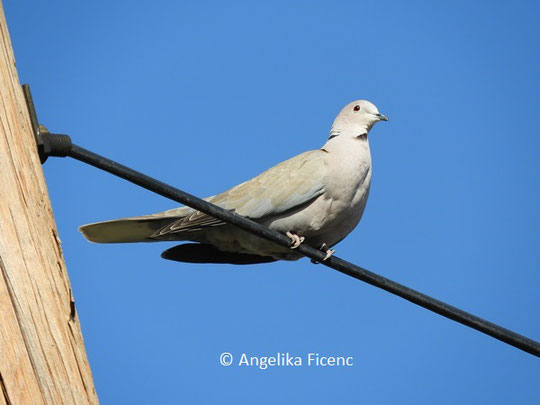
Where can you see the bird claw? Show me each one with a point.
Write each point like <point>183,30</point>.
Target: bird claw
<point>329,252</point>
<point>295,240</point>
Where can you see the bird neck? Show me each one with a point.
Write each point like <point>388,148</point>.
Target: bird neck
<point>347,144</point>
<point>350,129</point>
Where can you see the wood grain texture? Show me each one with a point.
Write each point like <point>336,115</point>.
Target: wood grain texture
<point>42,355</point>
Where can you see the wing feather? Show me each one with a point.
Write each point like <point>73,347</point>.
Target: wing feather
<point>283,187</point>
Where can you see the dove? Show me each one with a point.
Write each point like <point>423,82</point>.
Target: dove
<point>317,197</point>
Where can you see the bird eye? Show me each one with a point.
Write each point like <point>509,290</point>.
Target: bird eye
<point>356,108</point>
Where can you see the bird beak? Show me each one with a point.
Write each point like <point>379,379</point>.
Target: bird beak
<point>382,117</point>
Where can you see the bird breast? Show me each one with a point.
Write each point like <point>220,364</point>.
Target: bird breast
<point>334,214</point>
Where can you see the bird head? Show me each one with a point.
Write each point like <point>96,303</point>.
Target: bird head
<point>356,119</point>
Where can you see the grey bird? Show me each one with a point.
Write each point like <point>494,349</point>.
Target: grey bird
<point>317,197</point>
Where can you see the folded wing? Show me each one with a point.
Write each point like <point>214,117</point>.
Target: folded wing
<point>286,186</point>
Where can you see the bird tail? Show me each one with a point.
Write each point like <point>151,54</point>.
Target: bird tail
<point>121,230</point>
<point>134,229</point>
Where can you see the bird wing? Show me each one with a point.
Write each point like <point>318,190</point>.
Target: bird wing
<point>285,186</point>
<point>205,253</point>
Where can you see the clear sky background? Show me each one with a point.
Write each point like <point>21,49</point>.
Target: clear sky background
<point>204,95</point>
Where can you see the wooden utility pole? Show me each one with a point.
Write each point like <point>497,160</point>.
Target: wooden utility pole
<point>42,356</point>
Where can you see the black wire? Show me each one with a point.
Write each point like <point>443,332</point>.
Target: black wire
<point>439,307</point>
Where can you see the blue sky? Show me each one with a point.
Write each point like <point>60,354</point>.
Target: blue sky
<point>204,95</point>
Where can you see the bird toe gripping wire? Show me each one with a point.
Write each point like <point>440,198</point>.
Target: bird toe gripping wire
<point>60,145</point>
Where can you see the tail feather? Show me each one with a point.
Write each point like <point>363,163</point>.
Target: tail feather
<point>121,230</point>
<point>133,229</point>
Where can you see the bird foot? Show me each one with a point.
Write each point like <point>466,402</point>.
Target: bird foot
<point>329,252</point>
<point>295,240</point>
